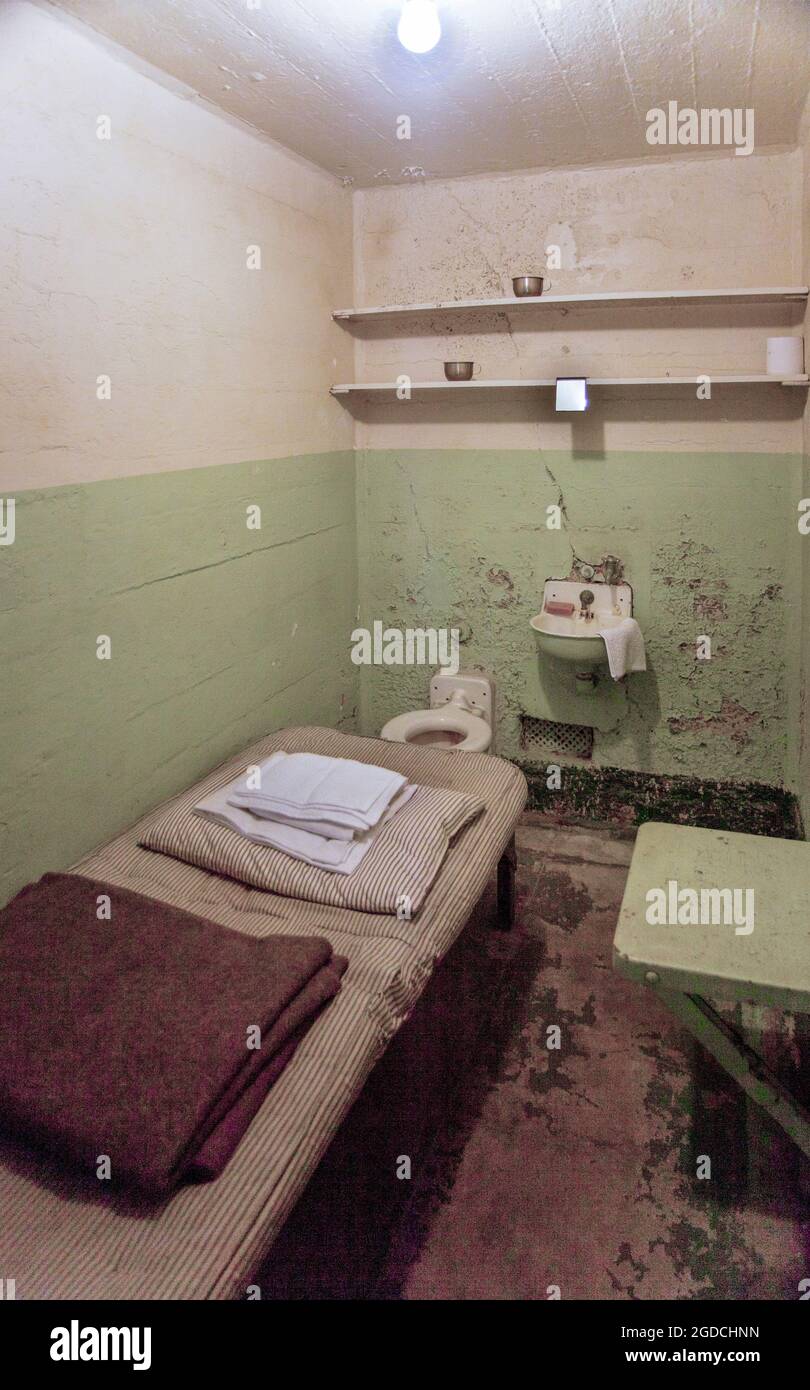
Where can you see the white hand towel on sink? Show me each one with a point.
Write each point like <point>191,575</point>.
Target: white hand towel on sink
<point>625,648</point>
<point>307,787</point>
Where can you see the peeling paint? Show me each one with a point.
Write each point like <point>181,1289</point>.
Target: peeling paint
<point>481,516</point>
<point>733,721</point>
<point>709,606</point>
<point>500,576</point>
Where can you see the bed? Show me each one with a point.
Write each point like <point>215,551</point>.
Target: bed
<point>61,1238</point>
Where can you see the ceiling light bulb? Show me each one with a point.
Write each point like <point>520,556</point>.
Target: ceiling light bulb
<point>419,28</point>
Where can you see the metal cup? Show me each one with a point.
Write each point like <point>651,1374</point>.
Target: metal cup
<point>527,286</point>
<point>459,371</point>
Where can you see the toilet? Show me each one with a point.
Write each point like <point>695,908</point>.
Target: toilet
<point>459,717</point>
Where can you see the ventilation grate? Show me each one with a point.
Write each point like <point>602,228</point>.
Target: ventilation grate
<point>541,737</point>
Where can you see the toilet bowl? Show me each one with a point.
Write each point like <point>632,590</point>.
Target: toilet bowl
<point>459,717</point>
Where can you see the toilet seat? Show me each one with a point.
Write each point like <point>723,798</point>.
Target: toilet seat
<point>474,733</point>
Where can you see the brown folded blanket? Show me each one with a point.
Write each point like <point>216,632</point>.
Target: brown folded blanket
<point>128,1037</point>
<point>212,1156</point>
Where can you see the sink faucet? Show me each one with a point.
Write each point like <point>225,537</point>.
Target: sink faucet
<point>611,569</point>
<point>586,599</point>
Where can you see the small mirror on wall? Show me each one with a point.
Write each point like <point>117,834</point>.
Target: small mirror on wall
<point>572,393</point>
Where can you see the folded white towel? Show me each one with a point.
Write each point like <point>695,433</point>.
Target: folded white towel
<point>334,824</point>
<point>300,787</point>
<point>328,829</point>
<point>625,648</point>
<point>340,856</point>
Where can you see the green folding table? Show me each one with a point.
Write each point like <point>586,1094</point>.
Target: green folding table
<point>759,954</point>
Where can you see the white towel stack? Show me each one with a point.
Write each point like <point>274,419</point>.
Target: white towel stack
<point>326,811</point>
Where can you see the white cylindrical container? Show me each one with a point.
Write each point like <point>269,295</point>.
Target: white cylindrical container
<point>785,356</point>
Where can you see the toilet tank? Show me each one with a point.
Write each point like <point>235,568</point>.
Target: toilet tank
<point>478,689</point>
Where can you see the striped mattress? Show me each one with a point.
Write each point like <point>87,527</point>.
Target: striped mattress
<point>60,1237</point>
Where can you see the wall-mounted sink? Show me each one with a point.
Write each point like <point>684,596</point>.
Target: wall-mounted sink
<point>574,639</point>
<point>574,612</point>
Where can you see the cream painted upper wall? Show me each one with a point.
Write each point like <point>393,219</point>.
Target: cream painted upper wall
<point>719,222</point>
<point>127,258</point>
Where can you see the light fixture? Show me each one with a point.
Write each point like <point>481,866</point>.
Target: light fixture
<point>419,27</point>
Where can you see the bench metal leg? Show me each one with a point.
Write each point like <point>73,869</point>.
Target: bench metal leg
<point>507,868</point>
<point>742,1063</point>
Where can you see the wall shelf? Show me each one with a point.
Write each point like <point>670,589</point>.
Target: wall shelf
<point>779,294</point>
<point>741,379</point>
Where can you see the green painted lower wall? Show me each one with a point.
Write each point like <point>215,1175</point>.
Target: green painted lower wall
<point>709,542</point>
<point>218,634</point>
<point>803,776</point>
<point>221,633</point>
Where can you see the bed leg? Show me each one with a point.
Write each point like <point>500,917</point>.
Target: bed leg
<point>507,866</point>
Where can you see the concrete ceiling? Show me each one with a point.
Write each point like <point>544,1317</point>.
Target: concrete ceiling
<point>513,84</point>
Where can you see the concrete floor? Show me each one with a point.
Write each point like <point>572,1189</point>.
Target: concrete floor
<point>576,1168</point>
